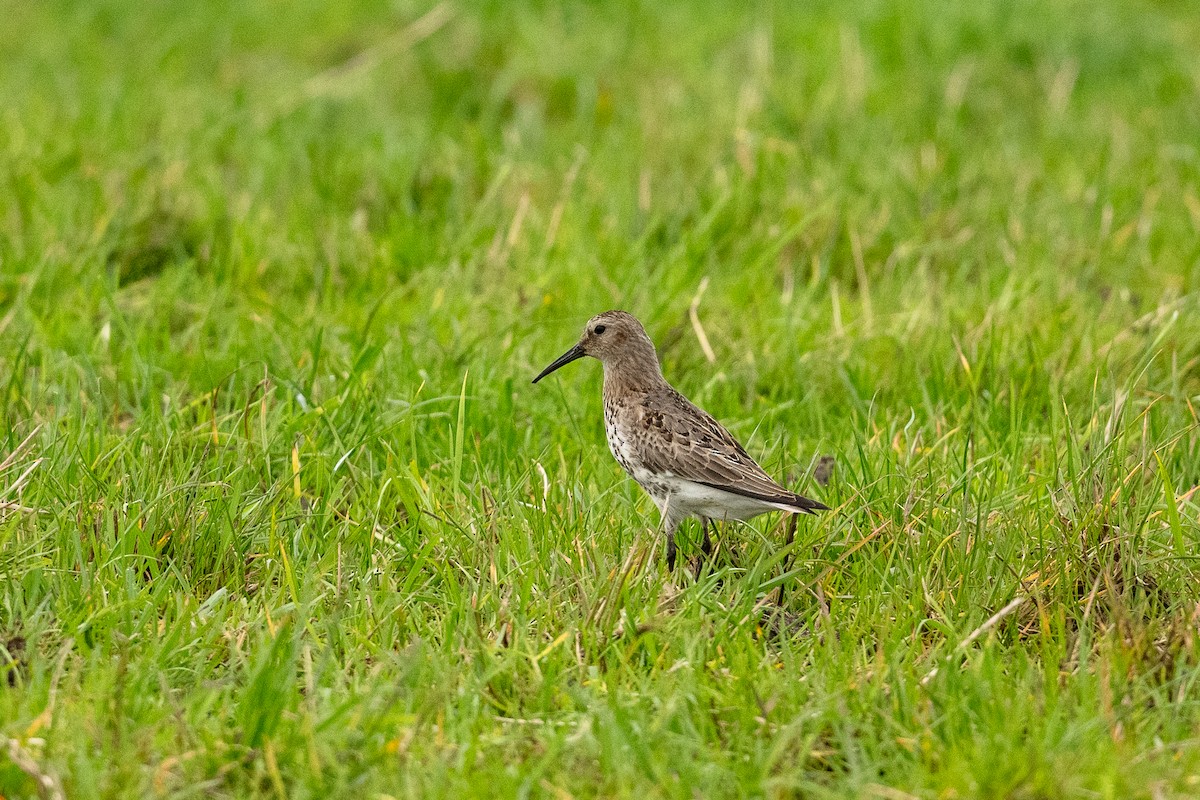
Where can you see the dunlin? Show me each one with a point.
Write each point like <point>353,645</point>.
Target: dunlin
<point>684,459</point>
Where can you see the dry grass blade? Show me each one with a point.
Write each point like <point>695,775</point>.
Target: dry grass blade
<point>13,488</point>
<point>20,509</point>
<point>19,450</point>
<point>694,316</point>
<point>345,77</point>
<point>48,786</point>
<point>990,623</point>
<point>16,485</point>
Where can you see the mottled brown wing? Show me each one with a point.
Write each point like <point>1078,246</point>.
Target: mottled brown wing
<point>687,442</point>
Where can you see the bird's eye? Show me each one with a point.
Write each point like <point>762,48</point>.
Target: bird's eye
<point>598,330</point>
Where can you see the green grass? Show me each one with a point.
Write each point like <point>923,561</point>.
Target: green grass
<point>291,521</point>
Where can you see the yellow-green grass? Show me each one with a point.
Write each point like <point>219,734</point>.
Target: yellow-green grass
<point>289,520</point>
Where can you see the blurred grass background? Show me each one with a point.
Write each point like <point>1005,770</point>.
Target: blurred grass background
<point>284,518</point>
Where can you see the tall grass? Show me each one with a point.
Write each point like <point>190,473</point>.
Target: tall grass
<point>282,515</point>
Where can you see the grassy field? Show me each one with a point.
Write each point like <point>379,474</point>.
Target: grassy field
<point>283,517</point>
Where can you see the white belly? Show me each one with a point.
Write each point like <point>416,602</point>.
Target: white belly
<point>678,497</point>
<point>689,499</point>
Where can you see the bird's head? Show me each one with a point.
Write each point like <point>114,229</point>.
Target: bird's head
<point>617,339</point>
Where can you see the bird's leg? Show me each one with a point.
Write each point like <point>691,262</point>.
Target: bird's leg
<point>670,524</point>
<point>705,547</point>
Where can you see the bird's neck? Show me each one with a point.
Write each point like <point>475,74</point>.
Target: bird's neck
<point>632,373</point>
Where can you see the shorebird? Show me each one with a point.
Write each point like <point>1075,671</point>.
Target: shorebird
<point>685,460</point>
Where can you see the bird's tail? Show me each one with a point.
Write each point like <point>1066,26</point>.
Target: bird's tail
<point>803,505</point>
<point>782,499</point>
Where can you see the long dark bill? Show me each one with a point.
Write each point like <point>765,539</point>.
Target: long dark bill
<point>574,354</point>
